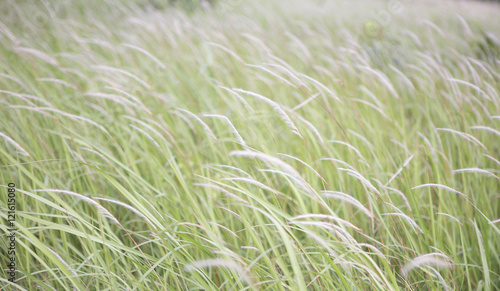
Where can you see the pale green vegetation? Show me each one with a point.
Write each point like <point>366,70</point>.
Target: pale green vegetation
<point>258,146</point>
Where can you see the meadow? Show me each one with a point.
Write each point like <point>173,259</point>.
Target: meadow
<point>263,145</point>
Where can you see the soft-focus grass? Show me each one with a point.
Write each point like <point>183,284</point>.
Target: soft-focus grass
<point>258,146</point>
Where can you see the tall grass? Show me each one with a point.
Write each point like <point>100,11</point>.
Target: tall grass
<point>270,146</point>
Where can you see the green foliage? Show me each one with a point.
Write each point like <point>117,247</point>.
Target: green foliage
<point>270,145</point>
<point>488,48</point>
<point>187,5</point>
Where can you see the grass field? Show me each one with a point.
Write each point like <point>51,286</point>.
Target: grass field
<point>272,145</point>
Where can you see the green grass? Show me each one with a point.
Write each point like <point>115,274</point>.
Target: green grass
<point>287,146</point>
